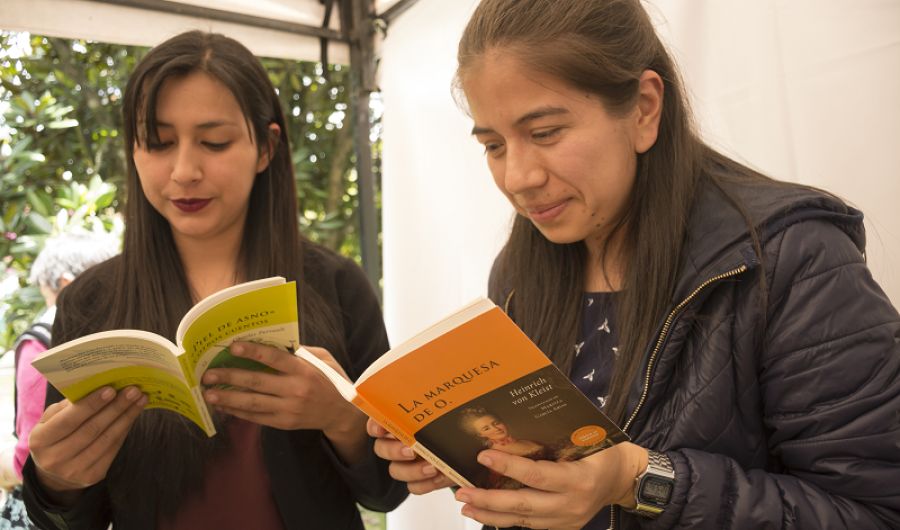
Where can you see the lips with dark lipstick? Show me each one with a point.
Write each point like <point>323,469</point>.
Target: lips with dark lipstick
<point>191,205</point>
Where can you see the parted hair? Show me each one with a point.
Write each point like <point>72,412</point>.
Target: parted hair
<point>601,47</point>
<point>164,455</point>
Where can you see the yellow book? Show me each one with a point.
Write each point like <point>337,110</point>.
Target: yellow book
<point>261,311</point>
<point>472,381</point>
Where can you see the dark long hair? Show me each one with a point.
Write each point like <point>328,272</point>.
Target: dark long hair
<point>164,452</point>
<point>601,47</point>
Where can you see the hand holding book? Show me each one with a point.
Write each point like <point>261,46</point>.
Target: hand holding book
<point>559,494</point>
<point>472,381</point>
<point>293,397</point>
<point>74,444</point>
<point>420,475</point>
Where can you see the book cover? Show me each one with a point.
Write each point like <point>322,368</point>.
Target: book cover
<point>262,311</point>
<point>475,381</point>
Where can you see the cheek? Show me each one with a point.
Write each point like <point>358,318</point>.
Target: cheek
<point>149,172</point>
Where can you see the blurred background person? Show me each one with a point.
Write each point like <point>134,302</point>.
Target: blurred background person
<point>62,259</point>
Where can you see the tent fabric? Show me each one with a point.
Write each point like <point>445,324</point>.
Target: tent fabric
<point>804,90</point>
<point>118,24</point>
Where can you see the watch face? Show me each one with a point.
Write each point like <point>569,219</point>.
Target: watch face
<point>656,491</point>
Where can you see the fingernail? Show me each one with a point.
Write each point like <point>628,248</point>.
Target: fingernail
<point>485,461</point>
<point>237,349</point>
<point>428,470</point>
<point>462,497</point>
<point>211,398</point>
<point>407,452</point>
<point>107,394</point>
<point>132,393</point>
<point>144,401</point>
<point>210,379</point>
<point>438,479</point>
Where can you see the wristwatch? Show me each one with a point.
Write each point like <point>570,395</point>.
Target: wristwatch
<point>653,488</point>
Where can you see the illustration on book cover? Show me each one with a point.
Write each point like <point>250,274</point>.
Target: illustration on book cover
<point>521,418</point>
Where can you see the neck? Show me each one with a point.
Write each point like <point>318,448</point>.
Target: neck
<point>604,274</point>
<point>210,264</point>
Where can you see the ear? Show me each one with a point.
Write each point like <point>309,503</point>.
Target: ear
<point>64,280</point>
<point>267,151</point>
<point>649,107</point>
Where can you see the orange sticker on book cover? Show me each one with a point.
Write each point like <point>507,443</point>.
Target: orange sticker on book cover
<point>588,435</point>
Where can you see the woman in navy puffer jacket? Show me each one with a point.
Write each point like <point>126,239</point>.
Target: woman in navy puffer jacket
<point>738,338</point>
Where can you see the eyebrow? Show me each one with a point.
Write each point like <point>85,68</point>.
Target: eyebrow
<point>207,125</point>
<point>533,115</point>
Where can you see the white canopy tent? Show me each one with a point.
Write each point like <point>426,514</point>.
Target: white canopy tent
<point>803,89</point>
<point>129,24</point>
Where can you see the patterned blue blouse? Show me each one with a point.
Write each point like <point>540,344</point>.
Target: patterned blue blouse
<point>592,368</point>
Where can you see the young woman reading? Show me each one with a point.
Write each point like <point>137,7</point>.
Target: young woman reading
<point>740,340</point>
<point>211,202</point>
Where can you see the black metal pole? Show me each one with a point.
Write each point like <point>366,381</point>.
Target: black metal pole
<point>356,25</point>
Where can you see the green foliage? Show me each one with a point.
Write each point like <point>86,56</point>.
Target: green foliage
<point>317,101</point>
<point>62,162</point>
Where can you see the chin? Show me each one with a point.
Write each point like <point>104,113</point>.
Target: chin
<point>560,237</point>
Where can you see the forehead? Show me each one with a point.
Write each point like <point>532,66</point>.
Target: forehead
<point>500,90</point>
<point>194,96</point>
<point>485,420</point>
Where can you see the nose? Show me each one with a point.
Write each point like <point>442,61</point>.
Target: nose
<point>187,168</point>
<point>523,170</point>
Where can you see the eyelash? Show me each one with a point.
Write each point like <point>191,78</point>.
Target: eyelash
<point>545,135</point>
<point>212,146</point>
<point>217,147</point>
<point>541,136</point>
<point>157,146</point>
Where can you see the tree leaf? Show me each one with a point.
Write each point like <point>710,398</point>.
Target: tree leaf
<point>62,124</point>
<point>40,223</point>
<point>66,203</point>
<point>36,202</point>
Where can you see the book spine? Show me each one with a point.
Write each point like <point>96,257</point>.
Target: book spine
<point>441,466</point>
<point>382,420</point>
<point>203,411</point>
<point>410,441</point>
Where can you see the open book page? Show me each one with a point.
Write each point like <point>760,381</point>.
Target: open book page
<point>119,359</point>
<point>77,360</point>
<point>343,386</point>
<point>266,315</point>
<point>465,313</point>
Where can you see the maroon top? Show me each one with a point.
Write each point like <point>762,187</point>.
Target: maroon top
<point>237,493</point>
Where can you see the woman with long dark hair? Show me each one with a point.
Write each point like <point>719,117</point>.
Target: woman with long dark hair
<point>211,202</point>
<point>725,320</point>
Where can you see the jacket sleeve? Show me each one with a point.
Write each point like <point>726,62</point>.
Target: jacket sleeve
<point>366,340</point>
<point>829,377</point>
<point>90,513</point>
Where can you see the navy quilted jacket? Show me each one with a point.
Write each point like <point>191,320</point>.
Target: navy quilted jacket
<point>788,421</point>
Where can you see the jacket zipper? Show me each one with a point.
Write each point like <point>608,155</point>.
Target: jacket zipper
<point>662,337</point>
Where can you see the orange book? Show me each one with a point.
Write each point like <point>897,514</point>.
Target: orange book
<point>474,381</point>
